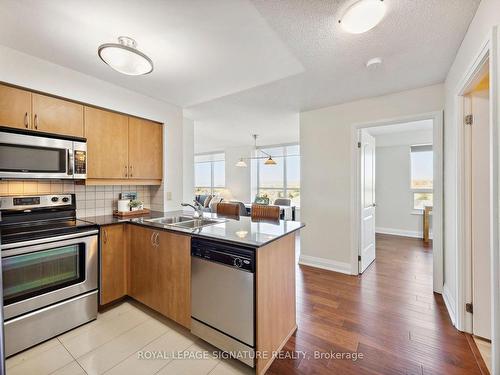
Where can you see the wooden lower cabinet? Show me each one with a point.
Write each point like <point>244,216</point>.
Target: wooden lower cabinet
<point>142,264</point>
<point>160,272</point>
<point>173,277</point>
<point>113,263</point>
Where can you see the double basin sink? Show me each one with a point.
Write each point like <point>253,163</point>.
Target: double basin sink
<point>186,222</point>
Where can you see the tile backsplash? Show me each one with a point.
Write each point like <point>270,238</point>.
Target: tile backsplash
<point>90,200</point>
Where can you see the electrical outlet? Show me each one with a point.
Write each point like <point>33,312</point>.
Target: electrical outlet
<point>169,195</point>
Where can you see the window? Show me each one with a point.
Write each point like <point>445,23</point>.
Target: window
<point>283,179</point>
<point>209,173</point>
<point>421,158</point>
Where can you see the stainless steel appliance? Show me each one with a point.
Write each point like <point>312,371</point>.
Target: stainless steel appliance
<point>25,155</point>
<point>222,297</point>
<point>49,268</point>
<point>2,343</point>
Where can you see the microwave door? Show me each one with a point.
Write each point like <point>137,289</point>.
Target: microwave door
<point>27,156</point>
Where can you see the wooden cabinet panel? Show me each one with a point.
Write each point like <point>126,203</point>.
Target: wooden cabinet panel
<point>142,266</point>
<point>107,144</point>
<point>57,116</point>
<point>113,263</point>
<point>160,272</point>
<point>173,286</point>
<point>15,107</point>
<point>145,149</point>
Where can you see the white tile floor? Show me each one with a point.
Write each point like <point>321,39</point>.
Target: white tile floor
<point>114,343</point>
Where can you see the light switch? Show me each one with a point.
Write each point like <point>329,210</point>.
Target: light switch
<point>169,195</point>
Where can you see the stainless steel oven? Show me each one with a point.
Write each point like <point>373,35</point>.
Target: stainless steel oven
<point>24,155</point>
<point>49,287</point>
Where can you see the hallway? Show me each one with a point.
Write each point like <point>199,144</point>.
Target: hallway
<point>389,315</point>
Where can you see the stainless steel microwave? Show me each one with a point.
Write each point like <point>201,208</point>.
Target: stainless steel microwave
<point>24,155</point>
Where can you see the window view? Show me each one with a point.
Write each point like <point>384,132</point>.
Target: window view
<point>421,158</point>
<point>209,173</point>
<point>283,179</point>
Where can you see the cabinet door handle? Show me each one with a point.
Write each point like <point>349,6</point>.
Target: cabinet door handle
<point>105,236</point>
<point>126,171</point>
<point>130,169</point>
<point>26,122</point>
<point>157,239</point>
<point>153,239</point>
<point>36,121</point>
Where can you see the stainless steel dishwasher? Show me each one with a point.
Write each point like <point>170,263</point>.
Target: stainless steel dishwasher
<point>222,297</point>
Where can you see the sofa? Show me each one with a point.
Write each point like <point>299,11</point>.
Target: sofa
<point>210,206</point>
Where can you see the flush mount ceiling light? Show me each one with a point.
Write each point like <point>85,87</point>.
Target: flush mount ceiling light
<point>374,63</point>
<point>362,15</point>
<point>125,58</point>
<point>268,157</point>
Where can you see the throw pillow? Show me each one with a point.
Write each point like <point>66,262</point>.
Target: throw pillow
<point>207,201</point>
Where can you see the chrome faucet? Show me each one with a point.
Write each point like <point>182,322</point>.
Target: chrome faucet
<point>198,209</point>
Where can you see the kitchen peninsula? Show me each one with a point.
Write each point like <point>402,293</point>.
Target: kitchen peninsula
<point>165,261</point>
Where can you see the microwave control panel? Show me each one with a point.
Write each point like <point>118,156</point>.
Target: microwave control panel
<point>80,162</point>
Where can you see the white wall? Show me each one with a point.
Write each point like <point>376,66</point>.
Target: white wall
<point>27,71</point>
<point>395,213</point>
<point>325,139</point>
<point>188,160</point>
<point>487,16</point>
<point>238,179</point>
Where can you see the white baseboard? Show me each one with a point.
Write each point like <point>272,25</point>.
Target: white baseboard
<point>450,304</point>
<point>400,232</point>
<point>326,264</point>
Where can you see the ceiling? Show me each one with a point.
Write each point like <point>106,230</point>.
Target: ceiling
<point>407,127</point>
<point>245,66</point>
<point>201,49</point>
<point>417,41</point>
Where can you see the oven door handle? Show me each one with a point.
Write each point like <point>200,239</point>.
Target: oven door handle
<point>20,247</point>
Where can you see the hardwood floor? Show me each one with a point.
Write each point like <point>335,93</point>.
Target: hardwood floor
<point>389,315</point>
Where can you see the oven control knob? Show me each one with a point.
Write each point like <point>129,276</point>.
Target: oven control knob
<point>54,199</point>
<point>238,262</point>
<point>65,199</point>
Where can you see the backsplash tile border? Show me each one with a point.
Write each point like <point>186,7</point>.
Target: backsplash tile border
<point>90,200</point>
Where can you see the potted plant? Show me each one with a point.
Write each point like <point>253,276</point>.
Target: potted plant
<point>136,205</point>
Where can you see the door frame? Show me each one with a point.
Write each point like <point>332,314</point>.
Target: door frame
<point>489,49</point>
<point>464,250</point>
<point>437,212</point>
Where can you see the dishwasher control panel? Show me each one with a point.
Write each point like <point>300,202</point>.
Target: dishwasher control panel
<point>229,255</point>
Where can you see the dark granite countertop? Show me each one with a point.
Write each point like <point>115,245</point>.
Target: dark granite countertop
<point>242,230</point>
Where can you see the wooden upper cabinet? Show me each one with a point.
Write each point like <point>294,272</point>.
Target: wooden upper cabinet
<point>107,144</point>
<point>145,149</point>
<point>57,116</point>
<point>15,107</point>
<point>113,263</point>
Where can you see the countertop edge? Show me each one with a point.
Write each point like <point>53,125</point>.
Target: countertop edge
<point>197,235</point>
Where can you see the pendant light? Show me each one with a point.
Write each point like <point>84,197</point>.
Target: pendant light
<point>270,161</point>
<point>241,163</point>
<point>268,157</point>
<point>124,57</point>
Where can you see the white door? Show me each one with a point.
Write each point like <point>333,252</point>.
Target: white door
<point>480,213</point>
<point>367,226</point>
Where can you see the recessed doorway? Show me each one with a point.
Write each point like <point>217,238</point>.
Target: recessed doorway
<point>398,181</point>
